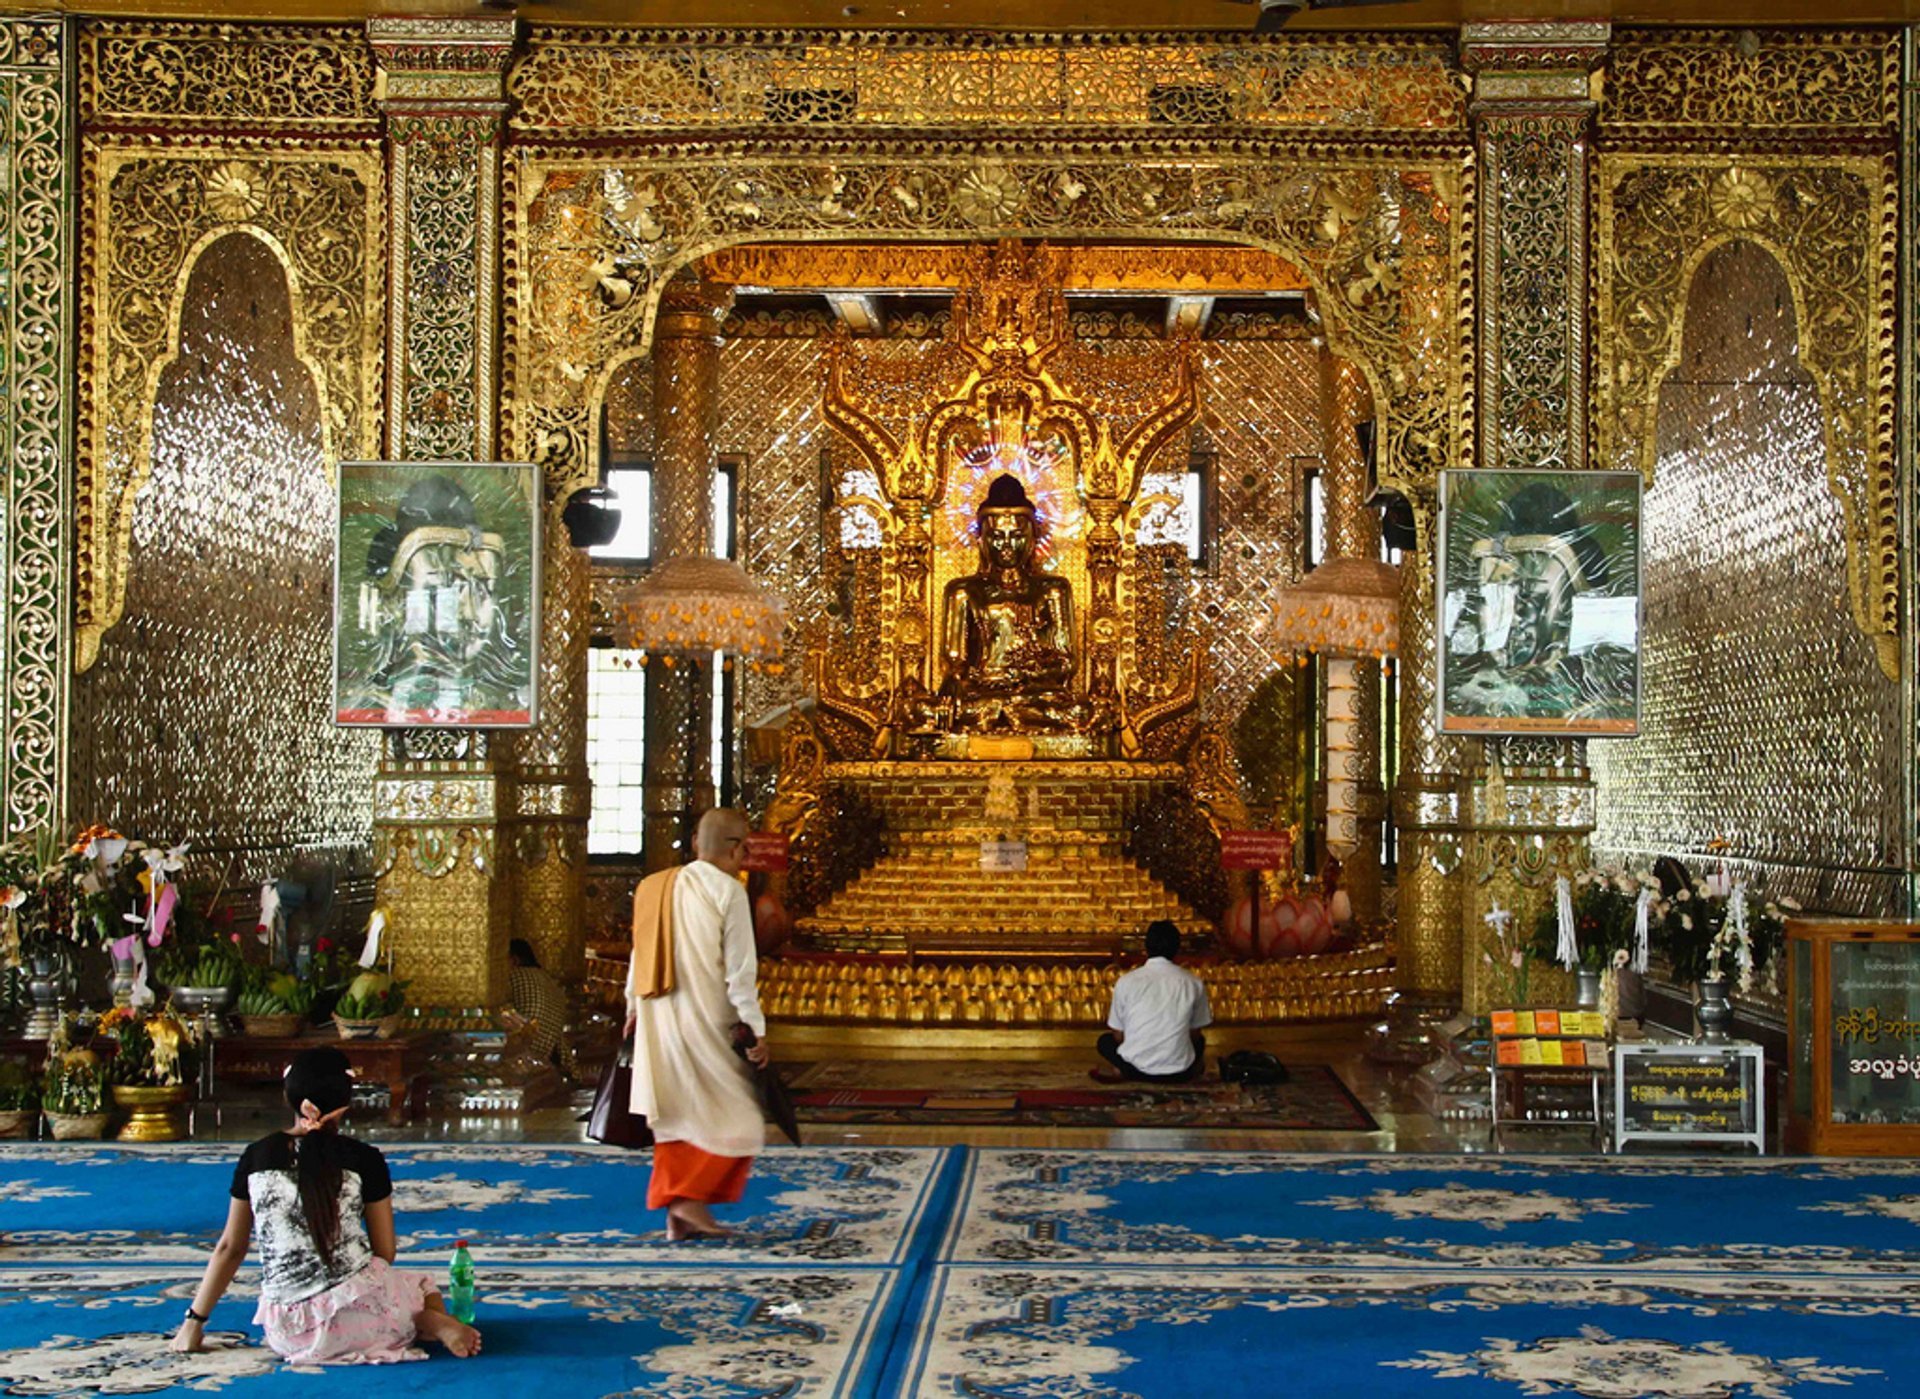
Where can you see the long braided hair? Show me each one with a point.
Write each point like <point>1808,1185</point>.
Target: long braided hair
<point>319,1083</point>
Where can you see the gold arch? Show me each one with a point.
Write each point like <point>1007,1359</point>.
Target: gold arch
<point>1831,228</point>
<point>1382,240</point>
<point>148,220</point>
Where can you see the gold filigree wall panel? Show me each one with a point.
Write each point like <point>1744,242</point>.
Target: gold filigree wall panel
<point>771,423</point>
<point>208,716</point>
<point>226,77</point>
<point>1380,237</point>
<point>1708,84</point>
<point>1260,414</point>
<point>147,217</point>
<point>36,385</point>
<point>574,83</point>
<point>1830,221</point>
<point>1764,718</point>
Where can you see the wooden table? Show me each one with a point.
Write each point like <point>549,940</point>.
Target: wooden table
<point>400,1063</point>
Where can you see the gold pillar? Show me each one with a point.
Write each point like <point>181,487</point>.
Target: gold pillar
<point>1531,801</point>
<point>1426,798</point>
<point>1353,686</point>
<point>686,411</point>
<point>444,799</point>
<point>552,794</point>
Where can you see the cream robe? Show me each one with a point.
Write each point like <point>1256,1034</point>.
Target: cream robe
<point>687,1079</point>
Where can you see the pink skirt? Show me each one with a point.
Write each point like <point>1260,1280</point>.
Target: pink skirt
<point>366,1320</point>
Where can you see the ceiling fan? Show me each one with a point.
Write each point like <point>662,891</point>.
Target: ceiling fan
<point>1274,14</point>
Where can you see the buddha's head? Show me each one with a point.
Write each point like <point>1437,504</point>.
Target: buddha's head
<point>1006,523</point>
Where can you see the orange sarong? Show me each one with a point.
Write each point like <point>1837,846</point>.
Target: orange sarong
<point>682,1171</point>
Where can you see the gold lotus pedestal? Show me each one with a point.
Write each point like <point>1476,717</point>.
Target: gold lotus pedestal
<point>153,1114</point>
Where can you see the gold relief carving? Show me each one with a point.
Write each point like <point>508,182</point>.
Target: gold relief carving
<point>320,212</point>
<point>436,799</point>
<point>1715,82</point>
<point>593,240</point>
<point>927,267</point>
<point>574,83</point>
<point>221,76</point>
<point>1213,781</point>
<point>434,916</point>
<point>430,851</point>
<point>1516,871</point>
<point>36,385</point>
<point>1831,223</point>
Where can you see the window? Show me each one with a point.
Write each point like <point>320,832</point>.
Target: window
<point>632,487</point>
<point>726,510</point>
<point>1314,497</point>
<point>616,751</point>
<point>1178,508</point>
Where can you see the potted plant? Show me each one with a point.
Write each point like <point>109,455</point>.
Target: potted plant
<point>370,1007</point>
<point>73,1088</point>
<point>19,1099</point>
<point>155,1059</point>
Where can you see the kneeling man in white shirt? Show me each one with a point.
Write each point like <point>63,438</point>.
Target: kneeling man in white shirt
<point>1158,1011</point>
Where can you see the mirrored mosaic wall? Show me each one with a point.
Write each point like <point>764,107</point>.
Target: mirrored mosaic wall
<point>208,716</point>
<point>1766,720</point>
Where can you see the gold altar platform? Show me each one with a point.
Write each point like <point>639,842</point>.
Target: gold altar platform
<point>1080,894</point>
<point>880,993</point>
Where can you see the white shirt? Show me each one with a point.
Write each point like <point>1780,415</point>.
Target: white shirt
<point>1157,1007</point>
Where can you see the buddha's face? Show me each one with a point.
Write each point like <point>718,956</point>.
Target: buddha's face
<point>1006,539</point>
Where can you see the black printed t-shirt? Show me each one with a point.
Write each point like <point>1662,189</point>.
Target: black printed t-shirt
<point>268,1179</point>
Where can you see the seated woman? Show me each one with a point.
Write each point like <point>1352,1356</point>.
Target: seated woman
<point>321,1205</point>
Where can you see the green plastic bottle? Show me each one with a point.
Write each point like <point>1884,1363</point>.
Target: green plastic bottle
<point>460,1284</point>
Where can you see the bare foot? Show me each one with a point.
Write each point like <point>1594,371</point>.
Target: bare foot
<point>1106,1076</point>
<point>459,1338</point>
<point>689,1219</point>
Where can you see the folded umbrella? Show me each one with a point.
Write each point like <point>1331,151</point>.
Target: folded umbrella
<point>775,1100</point>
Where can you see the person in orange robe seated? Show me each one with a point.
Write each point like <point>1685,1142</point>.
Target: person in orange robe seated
<point>691,981</point>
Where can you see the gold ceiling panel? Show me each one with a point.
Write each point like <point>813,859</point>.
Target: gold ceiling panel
<point>1713,82</point>
<point>575,83</point>
<point>1201,271</point>
<point>216,76</point>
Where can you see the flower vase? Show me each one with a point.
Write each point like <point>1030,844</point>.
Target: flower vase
<point>1713,1011</point>
<point>44,985</point>
<point>124,972</point>
<point>152,1113</point>
<point>1586,992</point>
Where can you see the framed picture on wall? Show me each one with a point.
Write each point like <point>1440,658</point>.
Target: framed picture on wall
<point>1539,602</point>
<point>436,594</point>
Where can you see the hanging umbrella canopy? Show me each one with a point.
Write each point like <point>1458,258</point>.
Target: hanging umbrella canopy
<point>1345,607</point>
<point>696,606</point>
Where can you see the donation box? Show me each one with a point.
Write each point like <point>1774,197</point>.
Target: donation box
<point>1853,1037</point>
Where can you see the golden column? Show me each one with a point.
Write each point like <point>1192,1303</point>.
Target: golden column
<point>1353,684</point>
<point>552,794</point>
<point>686,409</point>
<point>443,798</point>
<point>1529,802</point>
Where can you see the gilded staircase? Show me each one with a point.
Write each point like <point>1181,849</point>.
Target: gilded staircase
<point>1080,893</point>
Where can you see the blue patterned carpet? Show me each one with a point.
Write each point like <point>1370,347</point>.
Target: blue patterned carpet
<point>1030,1275</point>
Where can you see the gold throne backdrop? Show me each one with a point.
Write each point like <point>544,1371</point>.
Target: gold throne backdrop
<point>810,526</point>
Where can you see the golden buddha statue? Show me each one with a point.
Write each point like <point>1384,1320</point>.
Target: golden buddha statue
<point>1007,631</point>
